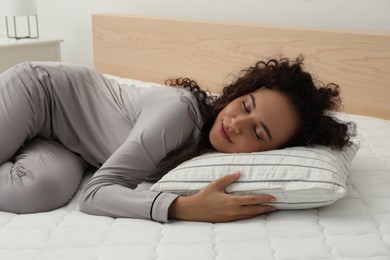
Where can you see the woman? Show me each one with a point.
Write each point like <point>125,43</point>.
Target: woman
<point>57,119</point>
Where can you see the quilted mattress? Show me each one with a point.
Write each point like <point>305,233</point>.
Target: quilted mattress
<point>356,227</point>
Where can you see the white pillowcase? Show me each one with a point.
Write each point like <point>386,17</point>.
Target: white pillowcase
<point>299,177</point>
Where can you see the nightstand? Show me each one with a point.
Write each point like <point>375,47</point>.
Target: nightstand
<point>14,51</point>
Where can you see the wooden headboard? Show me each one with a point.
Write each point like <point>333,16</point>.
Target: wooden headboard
<point>154,49</point>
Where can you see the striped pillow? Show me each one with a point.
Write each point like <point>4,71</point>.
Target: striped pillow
<point>299,177</point>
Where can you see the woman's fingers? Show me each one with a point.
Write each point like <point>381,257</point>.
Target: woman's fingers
<point>221,183</point>
<point>251,211</point>
<point>213,204</point>
<point>254,199</point>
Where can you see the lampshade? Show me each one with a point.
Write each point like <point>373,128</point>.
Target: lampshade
<point>19,7</point>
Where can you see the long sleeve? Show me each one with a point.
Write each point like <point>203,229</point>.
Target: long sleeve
<point>165,124</point>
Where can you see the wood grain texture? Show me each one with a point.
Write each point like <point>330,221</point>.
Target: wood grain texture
<point>212,53</point>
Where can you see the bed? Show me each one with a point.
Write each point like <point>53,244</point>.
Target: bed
<point>145,51</point>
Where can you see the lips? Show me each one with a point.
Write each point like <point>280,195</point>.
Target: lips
<point>224,133</point>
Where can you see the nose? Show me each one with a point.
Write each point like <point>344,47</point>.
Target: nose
<point>239,123</point>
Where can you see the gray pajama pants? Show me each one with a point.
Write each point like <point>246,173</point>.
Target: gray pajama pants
<point>37,173</point>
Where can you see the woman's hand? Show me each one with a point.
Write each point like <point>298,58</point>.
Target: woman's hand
<point>212,204</point>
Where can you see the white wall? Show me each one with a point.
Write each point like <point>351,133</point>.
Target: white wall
<point>71,19</point>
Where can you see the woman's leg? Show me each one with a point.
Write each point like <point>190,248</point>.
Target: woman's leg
<point>43,176</point>
<point>20,117</point>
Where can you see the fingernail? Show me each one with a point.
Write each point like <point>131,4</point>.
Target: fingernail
<point>237,173</point>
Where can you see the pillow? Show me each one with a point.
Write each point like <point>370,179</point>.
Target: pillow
<point>299,177</point>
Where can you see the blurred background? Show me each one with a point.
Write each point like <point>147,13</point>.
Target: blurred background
<point>70,20</point>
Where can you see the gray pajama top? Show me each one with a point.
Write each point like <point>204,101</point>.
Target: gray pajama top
<point>129,133</point>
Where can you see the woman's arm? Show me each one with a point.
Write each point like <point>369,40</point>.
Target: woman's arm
<point>164,125</point>
<point>212,204</point>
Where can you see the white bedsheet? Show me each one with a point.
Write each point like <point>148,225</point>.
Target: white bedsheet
<point>355,228</point>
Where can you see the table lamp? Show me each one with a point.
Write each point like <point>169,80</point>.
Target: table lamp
<point>17,10</point>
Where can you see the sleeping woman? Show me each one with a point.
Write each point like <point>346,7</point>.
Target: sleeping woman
<point>57,120</point>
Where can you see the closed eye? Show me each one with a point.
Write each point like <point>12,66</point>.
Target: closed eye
<point>258,137</point>
<point>245,107</point>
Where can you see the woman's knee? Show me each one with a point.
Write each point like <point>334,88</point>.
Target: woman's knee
<point>44,176</point>
<point>21,115</point>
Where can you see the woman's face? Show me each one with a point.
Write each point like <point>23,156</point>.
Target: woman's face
<point>260,121</point>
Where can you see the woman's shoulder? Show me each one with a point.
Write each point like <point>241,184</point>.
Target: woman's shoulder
<point>166,96</point>
<point>166,101</point>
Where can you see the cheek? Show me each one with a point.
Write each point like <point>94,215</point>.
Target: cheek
<point>231,109</point>
<point>216,139</point>
<point>289,131</point>
<point>247,145</point>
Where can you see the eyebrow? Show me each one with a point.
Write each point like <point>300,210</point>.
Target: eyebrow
<point>265,127</point>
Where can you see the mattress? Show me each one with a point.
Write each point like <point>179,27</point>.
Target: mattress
<point>356,227</point>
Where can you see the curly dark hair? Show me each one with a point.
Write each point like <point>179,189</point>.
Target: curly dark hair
<point>312,99</point>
